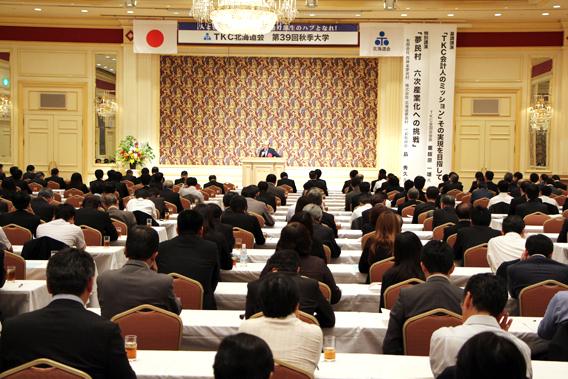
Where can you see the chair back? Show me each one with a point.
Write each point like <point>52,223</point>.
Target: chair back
<point>121,225</point>
<point>55,370</point>
<point>379,268</point>
<point>484,202</point>
<point>259,218</point>
<point>188,290</point>
<point>533,300</point>
<point>186,204</point>
<point>417,331</point>
<point>460,195</point>
<point>172,208</point>
<point>35,187</point>
<point>476,256</point>
<point>92,236</point>
<point>11,259</point>
<point>287,188</point>
<point>499,208</point>
<point>73,192</point>
<point>428,223</point>
<point>228,185</point>
<point>53,185</point>
<point>155,328</point>
<point>365,238</point>
<point>16,234</point>
<point>246,237</point>
<point>391,195</point>
<point>565,213</point>
<point>560,200</point>
<point>327,253</point>
<point>400,201</point>
<point>283,370</point>
<point>10,205</point>
<point>176,188</point>
<point>554,225</point>
<point>125,200</point>
<point>391,293</point>
<point>205,194</point>
<point>422,217</point>
<point>325,290</point>
<point>536,218</point>
<point>75,201</point>
<point>270,209</point>
<point>454,192</point>
<point>128,183</point>
<point>408,211</point>
<point>466,198</point>
<point>438,232</point>
<point>452,239</point>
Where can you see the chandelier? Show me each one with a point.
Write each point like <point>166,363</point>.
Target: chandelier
<point>106,107</point>
<point>540,114</point>
<point>245,17</point>
<point>5,106</point>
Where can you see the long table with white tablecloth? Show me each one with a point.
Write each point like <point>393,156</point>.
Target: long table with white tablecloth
<point>23,296</point>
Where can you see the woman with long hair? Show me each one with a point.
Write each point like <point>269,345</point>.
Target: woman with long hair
<point>8,188</point>
<point>407,248</point>
<point>77,183</point>
<point>306,219</point>
<point>211,234</point>
<point>373,217</point>
<point>381,244</point>
<point>300,204</point>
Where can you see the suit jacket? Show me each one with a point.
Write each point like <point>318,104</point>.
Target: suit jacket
<point>216,184</point>
<point>325,234</point>
<point>267,198</point>
<point>481,193</point>
<point>421,208</point>
<point>121,188</point>
<point>492,187</point>
<point>132,179</point>
<point>437,292</point>
<point>365,219</point>
<point>246,222</point>
<point>135,284</point>
<point>158,186</point>
<point>473,236</point>
<point>514,191</point>
<point>160,205</point>
<point>171,197</point>
<point>502,270</point>
<point>453,229</point>
<point>179,181</point>
<point>3,207</point>
<point>259,208</point>
<point>57,180</point>
<point>22,218</point>
<point>270,151</point>
<point>515,202</point>
<point>533,270</point>
<point>329,220</point>
<point>406,204</point>
<point>349,199</point>
<point>445,215</point>
<point>288,182</point>
<point>311,299</point>
<point>123,216</point>
<point>562,237</point>
<point>473,186</point>
<point>347,184</point>
<point>29,175</point>
<point>452,186</point>
<point>529,207</point>
<point>316,183</point>
<point>558,184</point>
<point>227,232</point>
<point>23,185</point>
<point>75,337</point>
<point>97,182</point>
<point>39,181</point>
<point>191,256</point>
<point>98,220</point>
<point>276,191</point>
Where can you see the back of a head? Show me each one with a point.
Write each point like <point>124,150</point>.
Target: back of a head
<point>117,176</point>
<point>518,175</point>
<point>18,175</point>
<point>489,356</point>
<point>365,198</point>
<point>408,185</point>
<point>555,177</point>
<point>153,192</point>
<point>479,176</point>
<point>539,244</point>
<point>448,200</point>
<point>407,246</point>
<point>284,260</point>
<point>215,210</point>
<point>21,200</point>
<point>489,175</point>
<point>432,192</point>
<point>315,195</point>
<point>262,186</point>
<point>145,179</point>
<point>365,187</point>
<point>158,177</point>
<point>378,198</point>
<point>312,175</point>
<point>248,191</point>
<point>283,175</point>
<point>318,172</point>
<point>413,194</point>
<point>480,216</point>
<point>110,173</point>
<point>30,168</point>
<point>445,177</point>
<point>145,171</point>
<point>355,182</point>
<point>550,181</point>
<point>54,171</point>
<point>438,257</point>
<point>46,193</point>
<point>463,211</point>
<point>168,184</point>
<point>534,177</point>
<point>488,293</point>
<point>64,211</point>
<point>109,200</point>
<point>376,212</point>
<point>191,182</point>
<point>353,173</point>
<point>393,181</point>
<point>242,356</point>
<point>39,175</point>
<point>503,186</point>
<point>227,198</point>
<point>508,177</point>
<point>155,170</point>
<point>189,222</point>
<point>419,182</point>
<point>454,178</point>
<point>69,271</point>
<point>141,242</point>
<point>91,201</point>
<point>302,202</point>
<point>129,172</point>
<point>543,177</point>
<point>99,174</point>
<point>295,236</point>
<point>305,219</point>
<point>546,191</point>
<point>184,173</point>
<point>238,204</point>
<point>313,210</point>
<point>513,224</point>
<point>109,187</point>
<point>142,193</point>
<point>525,184</point>
<point>388,225</point>
<point>533,191</point>
<point>212,177</point>
<point>98,187</point>
<point>279,295</point>
<point>482,184</point>
<point>271,178</point>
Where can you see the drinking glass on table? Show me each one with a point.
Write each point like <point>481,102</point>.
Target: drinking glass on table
<point>131,346</point>
<point>338,225</point>
<point>119,231</point>
<point>238,243</point>
<point>171,211</point>
<point>149,222</point>
<point>329,348</point>
<point>11,274</point>
<point>107,241</point>
<point>166,216</point>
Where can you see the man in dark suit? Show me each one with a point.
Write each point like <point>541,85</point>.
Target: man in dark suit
<point>378,198</point>
<point>189,255</point>
<point>267,151</point>
<point>131,178</point>
<point>313,182</point>
<point>65,331</point>
<point>447,213</point>
<point>99,174</point>
<point>478,233</point>
<point>407,185</point>
<point>431,195</point>
<point>90,215</point>
<point>412,200</point>
<point>276,191</point>
<point>182,179</point>
<point>445,181</point>
<point>513,189</point>
<point>285,180</point>
<point>138,282</point>
<point>242,220</point>
<point>551,204</point>
<point>355,182</point>
<point>30,173</point>
<point>157,180</point>
<point>326,218</point>
<point>364,188</point>
<point>19,182</point>
<point>558,184</point>
<point>516,177</point>
<point>121,187</point>
<point>110,203</point>
<point>145,180</point>
<point>478,178</point>
<point>523,186</point>
<point>481,192</point>
<point>213,182</point>
<point>41,205</point>
<point>392,184</point>
<point>158,201</point>
<point>225,229</point>
<point>347,184</point>
<point>312,300</point>
<point>489,181</point>
<point>21,216</point>
<point>536,266</point>
<point>463,211</point>
<point>170,196</point>
<point>39,179</point>
<point>533,204</point>
<point>324,233</point>
<point>437,263</point>
<point>55,178</point>
<point>454,184</point>
<point>265,196</point>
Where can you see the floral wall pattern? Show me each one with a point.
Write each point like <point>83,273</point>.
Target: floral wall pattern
<point>316,112</point>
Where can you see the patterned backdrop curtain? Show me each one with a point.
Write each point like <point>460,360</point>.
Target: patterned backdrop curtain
<point>316,112</point>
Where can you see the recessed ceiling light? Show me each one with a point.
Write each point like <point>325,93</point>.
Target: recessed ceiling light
<point>407,8</point>
<point>545,14</point>
<point>107,57</point>
<point>98,64</point>
<point>113,59</point>
<point>403,15</point>
<point>312,14</point>
<point>129,11</point>
<point>37,9</point>
<point>176,12</point>
<point>105,67</point>
<point>167,6</point>
<point>111,69</point>
<point>84,10</point>
<point>556,6</point>
<point>497,14</point>
<point>357,14</point>
<point>451,15</point>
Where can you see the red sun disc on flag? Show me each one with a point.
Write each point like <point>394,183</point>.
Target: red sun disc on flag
<point>155,38</point>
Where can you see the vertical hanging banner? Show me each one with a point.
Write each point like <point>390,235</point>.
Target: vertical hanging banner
<point>428,101</point>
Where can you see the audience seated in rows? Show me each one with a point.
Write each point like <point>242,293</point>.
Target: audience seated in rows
<point>264,196</point>
<point>239,219</point>
<point>142,203</point>
<point>90,215</point>
<point>533,203</point>
<point>481,192</point>
<point>131,178</point>
<point>62,227</point>
<point>77,183</point>
<point>276,191</point>
<point>500,203</point>
<point>213,182</point>
<point>463,213</point>
<point>447,212</point>
<point>190,188</point>
<point>355,183</point>
<point>250,193</point>
<point>225,229</point>
<point>368,224</point>
<point>556,316</point>
<point>21,217</point>
<point>210,233</point>
<point>374,214</point>
<point>347,184</point>
<point>453,184</point>
<point>41,205</point>
<point>284,180</point>
<point>317,249</point>
<point>429,206</point>
<point>412,196</point>
<point>323,233</point>
<point>110,204</point>
<point>328,219</point>
<point>170,196</point>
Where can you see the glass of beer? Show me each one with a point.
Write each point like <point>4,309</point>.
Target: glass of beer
<point>167,216</point>
<point>130,345</point>
<point>234,259</point>
<point>238,243</point>
<point>265,235</point>
<point>149,222</point>
<point>196,202</point>
<point>171,211</point>
<point>338,225</point>
<point>329,348</point>
<point>107,241</point>
<point>11,274</point>
<point>119,231</point>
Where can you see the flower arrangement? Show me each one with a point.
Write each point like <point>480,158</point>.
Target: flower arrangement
<point>132,152</point>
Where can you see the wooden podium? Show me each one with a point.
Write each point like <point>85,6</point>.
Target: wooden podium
<point>256,169</point>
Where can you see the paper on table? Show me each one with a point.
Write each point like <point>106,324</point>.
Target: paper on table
<point>533,326</point>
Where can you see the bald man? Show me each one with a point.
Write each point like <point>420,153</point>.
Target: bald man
<point>267,151</point>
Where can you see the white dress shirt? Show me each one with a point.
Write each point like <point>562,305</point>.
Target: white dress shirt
<point>290,339</point>
<point>549,200</point>
<point>503,197</point>
<point>291,212</point>
<point>63,231</point>
<point>193,192</point>
<point>4,240</point>
<point>504,248</point>
<point>378,184</point>
<point>359,212</point>
<point>447,342</point>
<point>142,205</point>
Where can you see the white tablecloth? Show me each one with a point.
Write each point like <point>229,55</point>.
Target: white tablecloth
<point>560,252</point>
<point>274,232</point>
<point>162,232</point>
<point>23,296</point>
<point>171,226</point>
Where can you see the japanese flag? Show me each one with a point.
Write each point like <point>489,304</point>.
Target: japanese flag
<point>155,37</point>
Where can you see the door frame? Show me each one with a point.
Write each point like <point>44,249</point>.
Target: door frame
<point>85,131</point>
<point>512,90</point>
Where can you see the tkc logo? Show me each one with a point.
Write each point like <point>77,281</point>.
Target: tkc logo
<point>207,37</point>
<point>382,40</point>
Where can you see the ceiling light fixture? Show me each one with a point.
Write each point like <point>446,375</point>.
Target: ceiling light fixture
<point>545,14</point>
<point>37,9</point>
<point>451,15</point>
<point>403,15</point>
<point>129,11</point>
<point>556,6</point>
<point>390,5</point>
<point>5,108</point>
<point>311,3</point>
<point>105,106</point>
<point>497,14</point>
<point>84,10</point>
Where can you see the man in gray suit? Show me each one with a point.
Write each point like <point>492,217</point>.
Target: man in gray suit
<point>437,263</point>
<point>110,203</point>
<point>137,282</point>
<point>276,191</point>
<point>256,206</point>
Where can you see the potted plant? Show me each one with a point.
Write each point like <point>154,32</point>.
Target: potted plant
<point>132,152</point>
